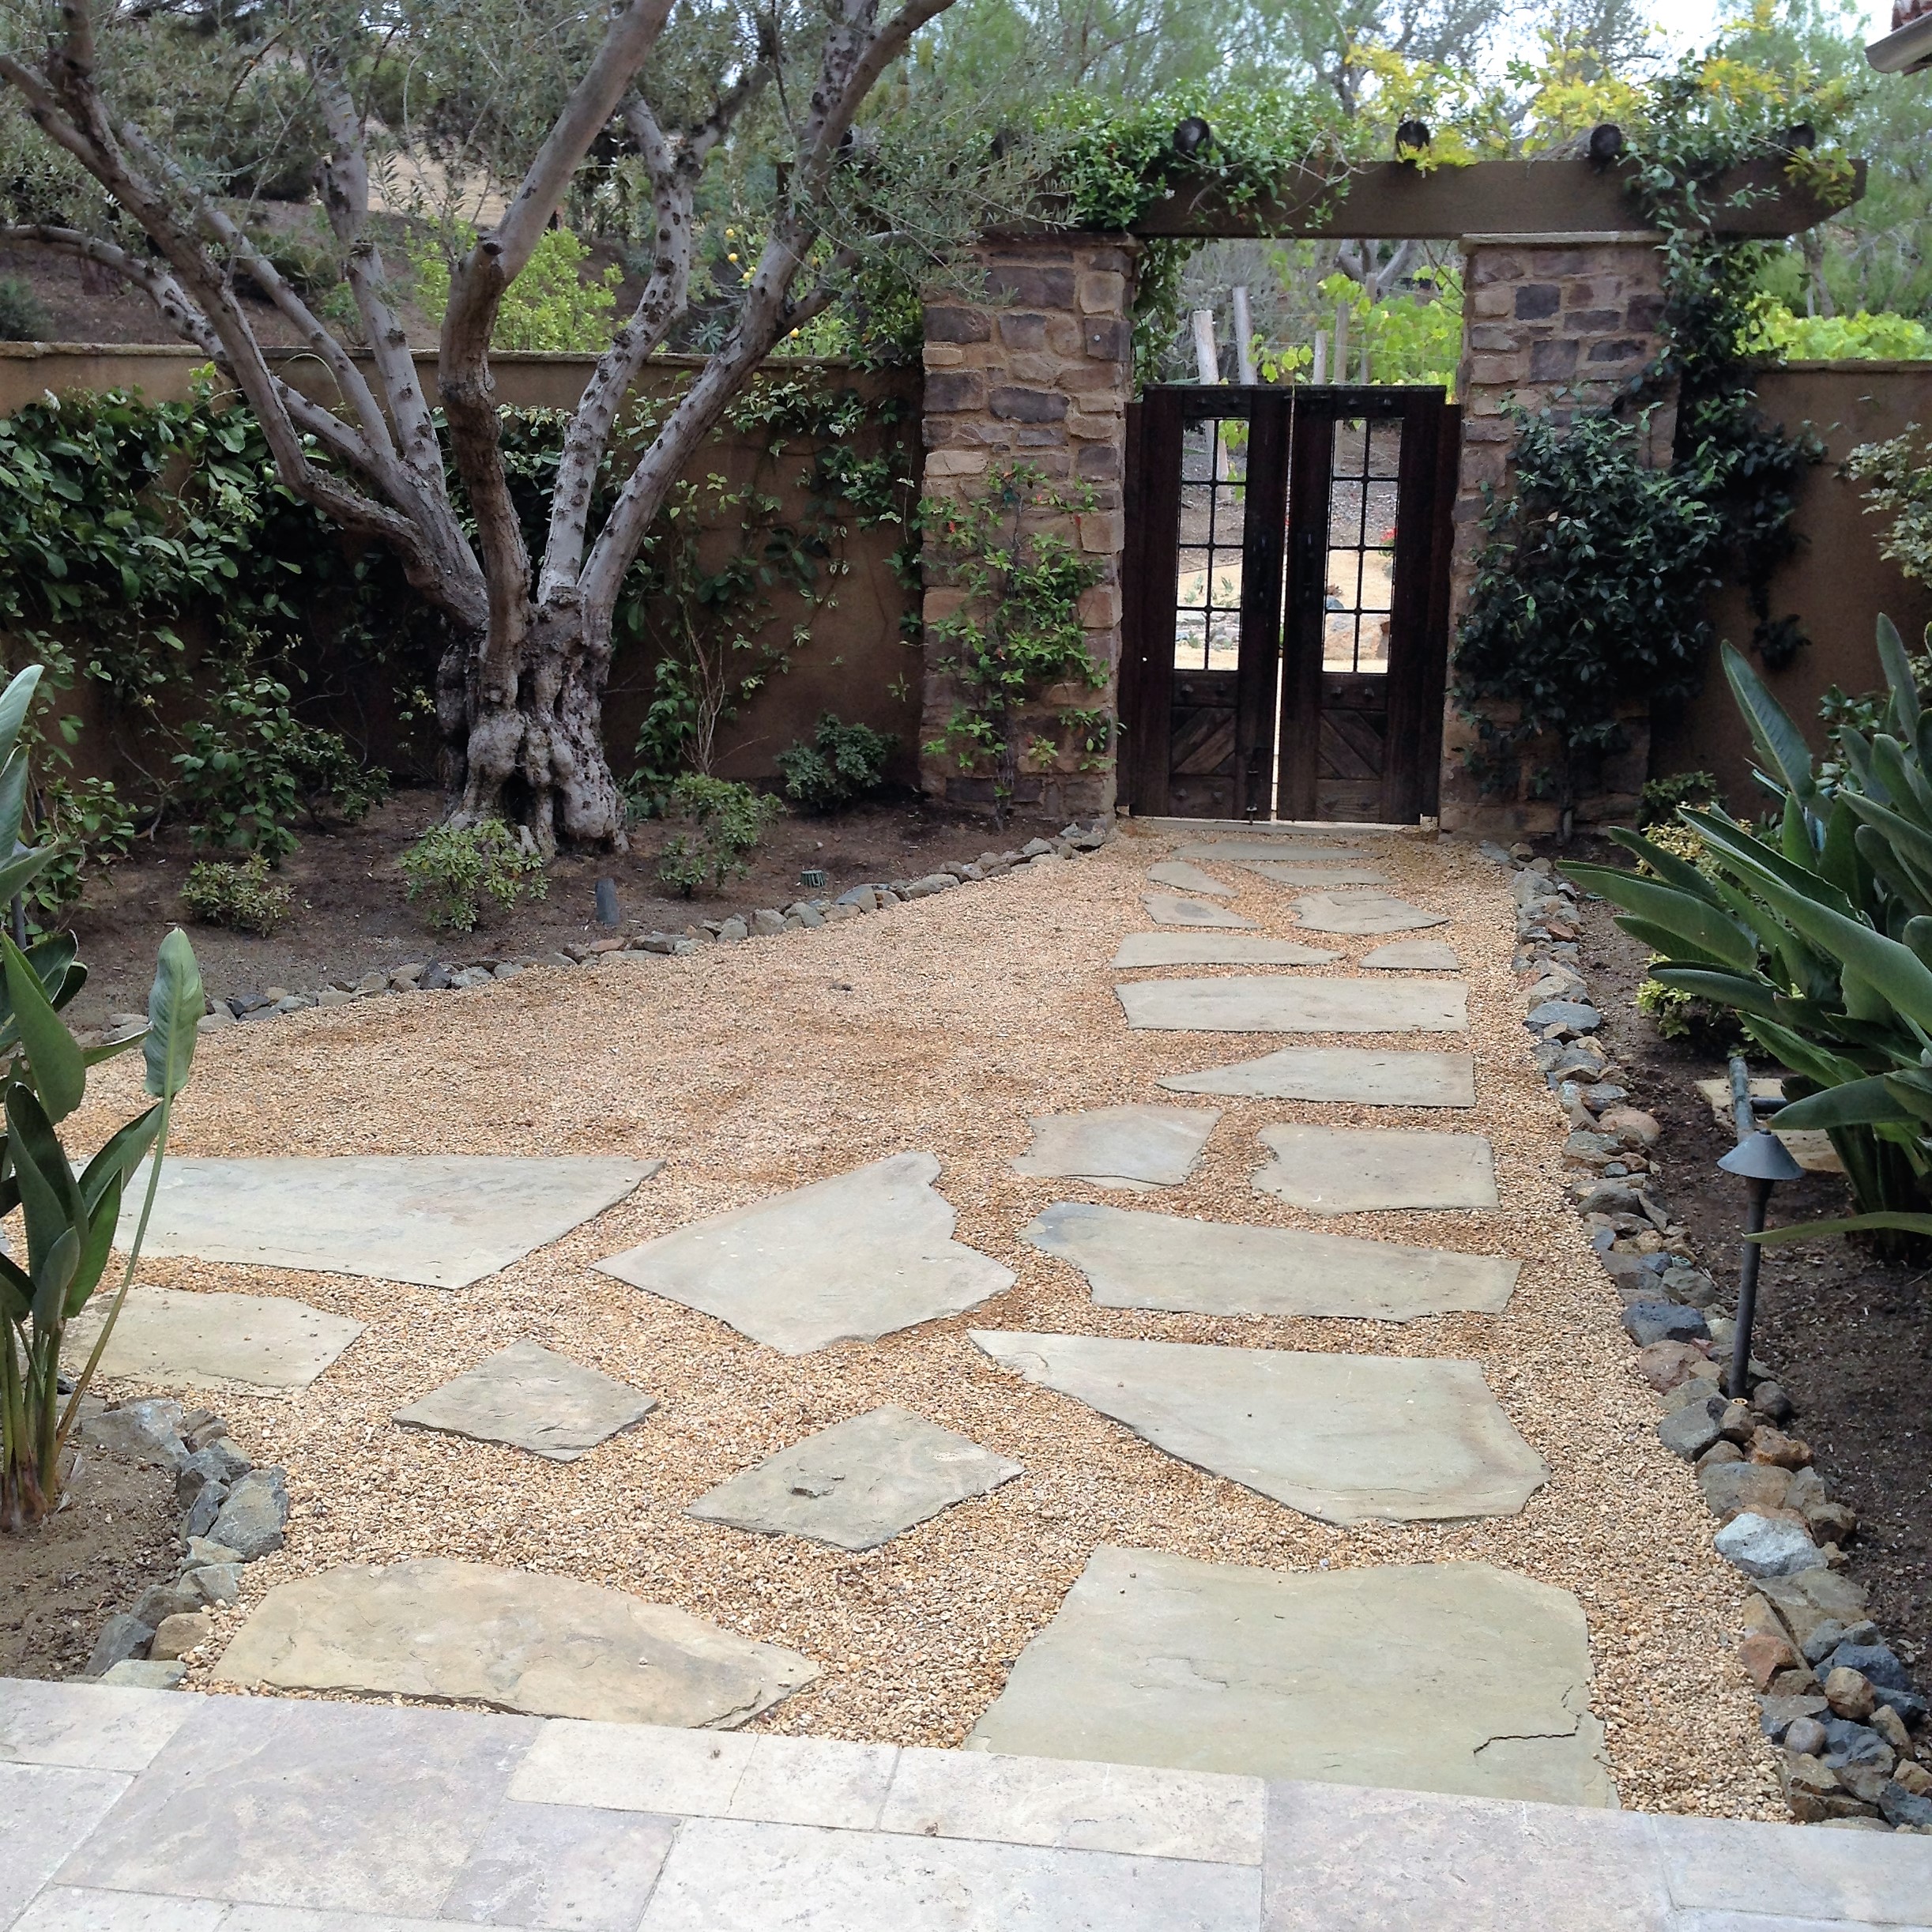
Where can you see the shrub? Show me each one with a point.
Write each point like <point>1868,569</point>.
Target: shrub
<point>843,762</point>
<point>1657,802</point>
<point>722,821</point>
<point>242,897</point>
<point>22,318</point>
<point>449,873</point>
<point>1679,1015</point>
<point>252,765</point>
<point>85,824</point>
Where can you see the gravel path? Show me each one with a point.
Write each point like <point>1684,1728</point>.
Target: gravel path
<point>941,1025</point>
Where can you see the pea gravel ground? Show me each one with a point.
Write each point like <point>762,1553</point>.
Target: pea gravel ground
<point>940,1025</point>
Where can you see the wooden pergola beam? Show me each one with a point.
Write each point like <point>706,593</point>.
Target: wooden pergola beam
<point>1394,201</point>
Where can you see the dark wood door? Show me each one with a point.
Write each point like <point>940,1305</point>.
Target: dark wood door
<point>1286,573</point>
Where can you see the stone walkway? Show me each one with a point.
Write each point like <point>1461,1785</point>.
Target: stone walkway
<point>1456,1673</point>
<point>139,1811</point>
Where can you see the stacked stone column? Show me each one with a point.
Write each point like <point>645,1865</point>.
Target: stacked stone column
<point>1037,371</point>
<point>1565,322</point>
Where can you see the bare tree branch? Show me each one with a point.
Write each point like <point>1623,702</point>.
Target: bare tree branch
<point>154,282</point>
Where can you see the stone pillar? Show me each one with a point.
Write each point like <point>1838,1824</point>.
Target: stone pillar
<point>1560,322</point>
<point>1039,370</point>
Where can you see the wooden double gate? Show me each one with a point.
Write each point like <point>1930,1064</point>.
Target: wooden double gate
<point>1286,617</point>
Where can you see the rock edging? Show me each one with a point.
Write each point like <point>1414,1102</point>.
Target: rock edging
<point>1852,1728</point>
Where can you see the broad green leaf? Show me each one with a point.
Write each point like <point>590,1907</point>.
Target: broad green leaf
<point>1892,654</point>
<point>1668,867</point>
<point>1753,859</point>
<point>16,1293</point>
<point>1857,755</point>
<point>95,1054</point>
<point>1893,871</point>
<point>1658,905</point>
<point>1851,1224</point>
<point>1748,995</point>
<point>53,1054</point>
<point>1672,946</point>
<point>1795,836</point>
<point>14,702</point>
<point>1781,742</point>
<point>1908,792</point>
<point>123,1153</point>
<point>54,1275</point>
<point>16,874</point>
<point>1859,1103</point>
<point>13,776</point>
<point>97,1250</point>
<point>174,1008</point>
<point>1839,861</point>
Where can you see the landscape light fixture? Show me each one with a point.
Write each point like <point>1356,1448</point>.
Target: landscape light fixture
<point>1191,136</point>
<point>1800,137</point>
<point>1907,49</point>
<point>1761,1160</point>
<point>1411,138</point>
<point>607,914</point>
<point>1606,144</point>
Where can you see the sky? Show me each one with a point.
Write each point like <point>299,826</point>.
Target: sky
<point>1690,23</point>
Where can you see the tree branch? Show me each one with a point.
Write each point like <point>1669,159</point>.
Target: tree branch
<point>153,281</point>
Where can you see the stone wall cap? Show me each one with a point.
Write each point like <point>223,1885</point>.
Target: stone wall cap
<point>1570,238</point>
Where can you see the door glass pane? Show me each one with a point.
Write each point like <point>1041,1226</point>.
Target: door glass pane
<point>1361,546</point>
<point>1214,476</point>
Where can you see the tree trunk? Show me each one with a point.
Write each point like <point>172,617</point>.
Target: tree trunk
<point>532,752</point>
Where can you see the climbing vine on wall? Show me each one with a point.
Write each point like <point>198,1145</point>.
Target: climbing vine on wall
<point>1017,629</point>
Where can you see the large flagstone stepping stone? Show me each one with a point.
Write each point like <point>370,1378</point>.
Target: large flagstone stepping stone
<point>1166,949</point>
<point>1185,878</point>
<point>173,1338</point>
<point>532,1399</point>
<point>1134,1147</point>
<point>1413,956</point>
<point>1362,913</point>
<point>860,1483</point>
<point>1283,874</point>
<point>1344,1438</point>
<point>1133,1259</point>
<point>511,1640</point>
<point>1365,1075</point>
<point>851,1259</point>
<point>1303,852</point>
<point>1440,1677</point>
<point>1348,1170</point>
<point>441,1221</point>
<point>1272,1003</point>
<point>1168,908</point>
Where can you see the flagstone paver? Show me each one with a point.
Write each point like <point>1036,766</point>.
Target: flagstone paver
<point>1118,1146</point>
<point>1136,1260</point>
<point>1413,956</point>
<point>859,1483</point>
<point>1168,908</point>
<point>1362,1075</point>
<point>1282,873</point>
<point>1189,878</point>
<point>850,1259</point>
<point>1452,1677</point>
<point>1342,1438</point>
<point>1275,1002</point>
<point>530,1398</point>
<point>442,1221</point>
<point>1363,913</point>
<point>1303,851</point>
<point>1166,949</point>
<point>1334,1170</point>
<point>171,1338</point>
<point>514,1639</point>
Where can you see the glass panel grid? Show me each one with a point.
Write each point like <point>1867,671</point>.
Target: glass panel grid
<point>1364,468</point>
<point>1214,506</point>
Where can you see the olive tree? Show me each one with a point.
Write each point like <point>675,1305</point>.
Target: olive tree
<point>520,688</point>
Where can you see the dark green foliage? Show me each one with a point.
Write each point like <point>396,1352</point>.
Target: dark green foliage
<point>251,766</point>
<point>22,318</point>
<point>718,821</point>
<point>843,762</point>
<point>449,872</point>
<point>243,897</point>
<point>1659,802</point>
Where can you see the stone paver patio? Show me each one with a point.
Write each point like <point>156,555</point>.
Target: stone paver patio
<point>1332,1170</point>
<point>210,1341</point>
<point>1274,1002</point>
<point>1365,1075</point>
<point>146,1811</point>
<point>528,1397</point>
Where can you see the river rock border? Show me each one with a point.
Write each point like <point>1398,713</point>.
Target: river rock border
<point>1850,1727</point>
<point>436,975</point>
<point>236,1511</point>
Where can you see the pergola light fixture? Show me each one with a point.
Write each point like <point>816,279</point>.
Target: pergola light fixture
<point>1191,136</point>
<point>1907,49</point>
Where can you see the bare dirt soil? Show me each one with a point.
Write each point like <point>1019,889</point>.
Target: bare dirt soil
<point>117,1531</point>
<point>354,915</point>
<point>1849,1337</point>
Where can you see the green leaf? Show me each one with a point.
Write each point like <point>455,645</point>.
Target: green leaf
<point>53,1276</point>
<point>1668,867</point>
<point>1732,989</point>
<point>98,1248</point>
<point>1851,1224</point>
<point>13,775</point>
<point>1892,654</point>
<point>1696,918</point>
<point>1781,742</point>
<point>1859,1103</point>
<point>1673,946</point>
<point>53,1054</point>
<point>1755,859</point>
<point>16,1293</point>
<point>123,1153</point>
<point>14,702</point>
<point>16,874</point>
<point>175,1006</point>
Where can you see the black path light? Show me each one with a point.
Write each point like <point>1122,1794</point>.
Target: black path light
<point>1606,143</point>
<point>1761,1159</point>
<point>1411,138</point>
<point>607,914</point>
<point>1191,136</point>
